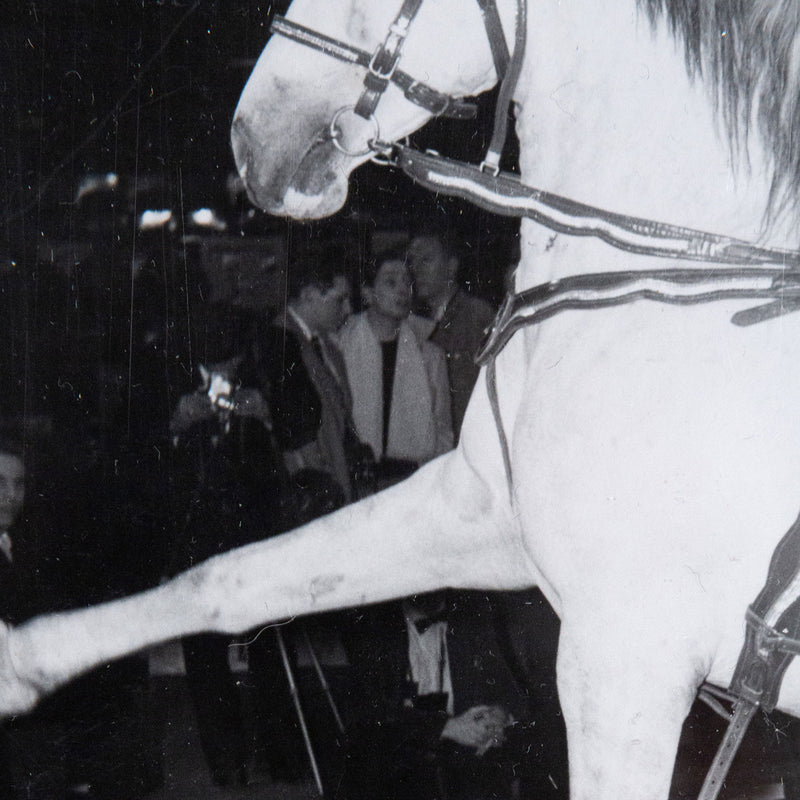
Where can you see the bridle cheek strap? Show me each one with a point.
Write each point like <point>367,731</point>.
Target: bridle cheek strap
<point>385,59</point>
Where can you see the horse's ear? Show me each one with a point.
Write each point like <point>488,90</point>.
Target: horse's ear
<point>205,375</point>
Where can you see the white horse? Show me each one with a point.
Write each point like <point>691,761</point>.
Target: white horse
<point>654,448</point>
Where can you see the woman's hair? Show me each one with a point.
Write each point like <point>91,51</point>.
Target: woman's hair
<point>372,265</point>
<point>315,266</point>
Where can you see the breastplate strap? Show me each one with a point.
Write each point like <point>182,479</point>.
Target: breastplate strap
<point>771,642</point>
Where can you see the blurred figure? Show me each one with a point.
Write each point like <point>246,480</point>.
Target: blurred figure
<point>303,377</point>
<point>302,374</point>
<point>40,754</point>
<point>442,713</point>
<point>459,319</point>
<point>224,452</point>
<point>17,587</point>
<point>398,379</point>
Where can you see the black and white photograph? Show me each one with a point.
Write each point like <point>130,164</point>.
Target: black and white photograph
<point>400,400</point>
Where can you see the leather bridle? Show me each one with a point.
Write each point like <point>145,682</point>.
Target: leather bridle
<point>382,67</point>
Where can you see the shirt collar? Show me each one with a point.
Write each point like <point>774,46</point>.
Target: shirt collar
<point>5,545</point>
<point>438,314</point>
<point>301,323</point>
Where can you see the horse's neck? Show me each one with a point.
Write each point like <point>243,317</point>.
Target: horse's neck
<point>608,116</point>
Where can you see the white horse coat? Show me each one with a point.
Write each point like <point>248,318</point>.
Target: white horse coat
<point>655,449</point>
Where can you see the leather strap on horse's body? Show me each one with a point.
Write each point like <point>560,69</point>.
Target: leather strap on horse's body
<point>771,642</point>
<point>781,287</point>
<point>503,193</point>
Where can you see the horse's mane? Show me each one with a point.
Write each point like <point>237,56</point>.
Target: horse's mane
<point>749,53</point>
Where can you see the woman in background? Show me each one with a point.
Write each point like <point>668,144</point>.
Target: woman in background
<point>398,379</point>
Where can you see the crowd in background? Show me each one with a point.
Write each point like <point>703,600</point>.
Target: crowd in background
<point>164,436</point>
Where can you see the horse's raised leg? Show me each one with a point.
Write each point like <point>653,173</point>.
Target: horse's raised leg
<point>624,699</point>
<point>448,525</point>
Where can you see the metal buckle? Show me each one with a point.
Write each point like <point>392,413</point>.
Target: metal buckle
<point>419,88</point>
<point>491,164</point>
<point>336,133</point>
<point>384,153</point>
<point>373,70</point>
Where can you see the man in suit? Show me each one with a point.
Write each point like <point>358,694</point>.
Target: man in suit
<point>459,319</point>
<point>302,375</point>
<point>35,749</point>
<point>442,714</point>
<point>14,587</point>
<point>12,497</point>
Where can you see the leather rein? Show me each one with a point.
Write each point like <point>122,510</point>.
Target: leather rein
<point>768,276</point>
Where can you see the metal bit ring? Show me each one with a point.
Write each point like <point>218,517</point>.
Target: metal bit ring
<point>335,133</point>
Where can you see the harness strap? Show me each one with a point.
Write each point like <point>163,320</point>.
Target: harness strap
<point>504,194</point>
<point>419,93</point>
<point>773,627</point>
<point>737,727</point>
<point>385,59</point>
<point>497,39</point>
<point>606,289</point>
<point>771,642</point>
<point>509,76</point>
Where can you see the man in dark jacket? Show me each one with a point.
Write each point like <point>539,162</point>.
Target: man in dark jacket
<point>459,319</point>
<point>303,374</point>
<point>33,749</point>
<point>442,714</point>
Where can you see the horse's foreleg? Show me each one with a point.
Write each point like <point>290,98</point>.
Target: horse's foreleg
<point>445,526</point>
<point>624,699</point>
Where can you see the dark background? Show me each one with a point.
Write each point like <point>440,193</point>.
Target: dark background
<point>102,324</point>
<point>147,90</point>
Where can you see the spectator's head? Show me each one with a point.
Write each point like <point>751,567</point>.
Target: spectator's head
<point>429,604</point>
<point>386,289</point>
<point>319,291</point>
<point>12,480</point>
<point>434,262</point>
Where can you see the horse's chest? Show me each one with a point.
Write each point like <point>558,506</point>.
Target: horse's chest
<point>669,433</point>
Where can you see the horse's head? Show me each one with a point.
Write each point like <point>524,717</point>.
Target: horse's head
<point>281,134</point>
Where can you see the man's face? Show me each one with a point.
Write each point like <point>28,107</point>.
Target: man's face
<point>429,266</point>
<point>428,604</point>
<point>12,489</point>
<point>328,308</point>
